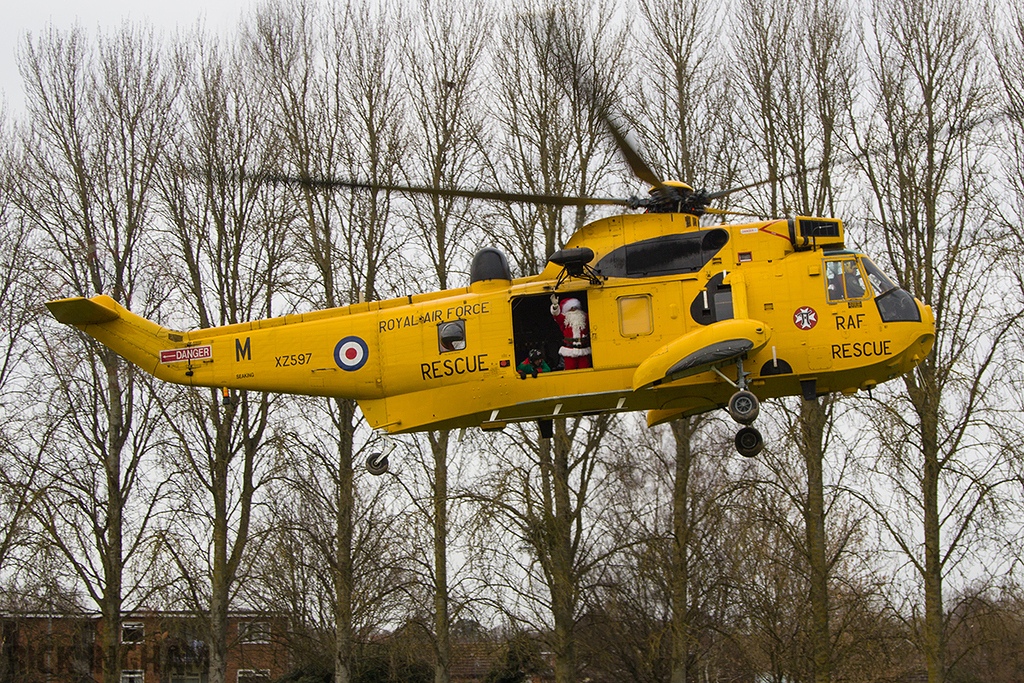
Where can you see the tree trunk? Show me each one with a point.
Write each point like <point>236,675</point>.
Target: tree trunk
<point>813,416</point>
<point>442,644</point>
<point>563,603</point>
<point>679,581</point>
<point>934,627</point>
<point>343,536</point>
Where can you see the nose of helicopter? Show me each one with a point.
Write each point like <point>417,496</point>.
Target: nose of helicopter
<point>928,322</point>
<point>922,340</point>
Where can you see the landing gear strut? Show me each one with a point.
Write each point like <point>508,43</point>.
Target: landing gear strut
<point>744,408</point>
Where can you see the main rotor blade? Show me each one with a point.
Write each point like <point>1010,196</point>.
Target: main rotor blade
<point>727,212</point>
<point>504,197</point>
<point>636,162</point>
<point>601,100</point>
<point>711,196</point>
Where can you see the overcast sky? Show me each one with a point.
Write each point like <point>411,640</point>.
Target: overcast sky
<point>21,16</point>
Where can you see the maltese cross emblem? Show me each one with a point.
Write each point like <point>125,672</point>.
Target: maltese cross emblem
<point>805,318</point>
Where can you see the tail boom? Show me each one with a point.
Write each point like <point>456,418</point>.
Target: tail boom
<point>289,355</point>
<point>138,340</point>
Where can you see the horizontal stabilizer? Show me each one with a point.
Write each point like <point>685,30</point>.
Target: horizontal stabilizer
<point>80,311</point>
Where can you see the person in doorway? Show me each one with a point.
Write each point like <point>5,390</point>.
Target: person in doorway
<point>533,364</point>
<point>570,316</point>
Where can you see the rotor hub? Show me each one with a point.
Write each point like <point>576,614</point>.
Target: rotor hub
<point>674,196</point>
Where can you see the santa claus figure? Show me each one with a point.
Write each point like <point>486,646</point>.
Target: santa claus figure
<point>570,317</point>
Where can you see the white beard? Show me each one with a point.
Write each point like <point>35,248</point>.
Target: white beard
<point>576,321</point>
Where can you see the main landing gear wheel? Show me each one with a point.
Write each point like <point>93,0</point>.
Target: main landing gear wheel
<point>377,464</point>
<point>744,407</point>
<point>749,442</point>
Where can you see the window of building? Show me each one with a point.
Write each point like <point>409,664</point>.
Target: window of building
<point>254,632</point>
<point>132,676</point>
<point>253,675</point>
<point>133,632</point>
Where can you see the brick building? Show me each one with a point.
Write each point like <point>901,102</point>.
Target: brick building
<point>158,647</point>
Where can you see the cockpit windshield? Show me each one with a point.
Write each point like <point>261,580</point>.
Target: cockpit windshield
<point>880,282</point>
<point>894,304</point>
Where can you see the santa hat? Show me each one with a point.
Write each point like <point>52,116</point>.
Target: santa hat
<point>571,305</point>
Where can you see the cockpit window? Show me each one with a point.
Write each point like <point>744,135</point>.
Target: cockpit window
<point>880,282</point>
<point>894,304</point>
<point>845,280</point>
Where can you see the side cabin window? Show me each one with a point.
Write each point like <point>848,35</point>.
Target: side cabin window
<point>534,329</point>
<point>635,315</point>
<point>844,280</point>
<point>451,336</point>
<point>666,255</point>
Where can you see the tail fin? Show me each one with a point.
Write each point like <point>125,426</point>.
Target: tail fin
<point>137,339</point>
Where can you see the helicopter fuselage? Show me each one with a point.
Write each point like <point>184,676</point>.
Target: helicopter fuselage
<point>667,302</point>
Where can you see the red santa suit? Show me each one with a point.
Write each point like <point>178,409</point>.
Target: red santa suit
<point>575,348</point>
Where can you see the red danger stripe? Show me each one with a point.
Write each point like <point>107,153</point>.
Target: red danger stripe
<point>190,353</point>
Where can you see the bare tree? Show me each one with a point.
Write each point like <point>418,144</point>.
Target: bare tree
<point>18,470</point>
<point>16,261</point>
<point>95,136</point>
<point>662,609</point>
<point>332,78</point>
<point>550,500</point>
<point>684,108</point>
<point>926,171</point>
<point>795,100</point>
<point>554,141</point>
<point>228,240</point>
<point>444,58</point>
<point>1005,28</point>
<point>300,573</point>
<point>685,118</point>
<point>553,137</point>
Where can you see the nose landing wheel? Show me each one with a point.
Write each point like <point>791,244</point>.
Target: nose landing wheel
<point>744,407</point>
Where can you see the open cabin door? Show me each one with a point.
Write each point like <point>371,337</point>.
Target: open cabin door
<point>533,327</point>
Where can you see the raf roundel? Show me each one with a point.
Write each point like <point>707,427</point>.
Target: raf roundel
<point>351,353</point>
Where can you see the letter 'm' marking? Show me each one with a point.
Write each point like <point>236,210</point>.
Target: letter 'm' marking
<point>242,352</point>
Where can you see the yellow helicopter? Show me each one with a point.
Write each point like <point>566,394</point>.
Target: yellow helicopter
<point>646,311</point>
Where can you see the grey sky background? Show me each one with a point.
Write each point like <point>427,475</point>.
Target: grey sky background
<point>95,16</point>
